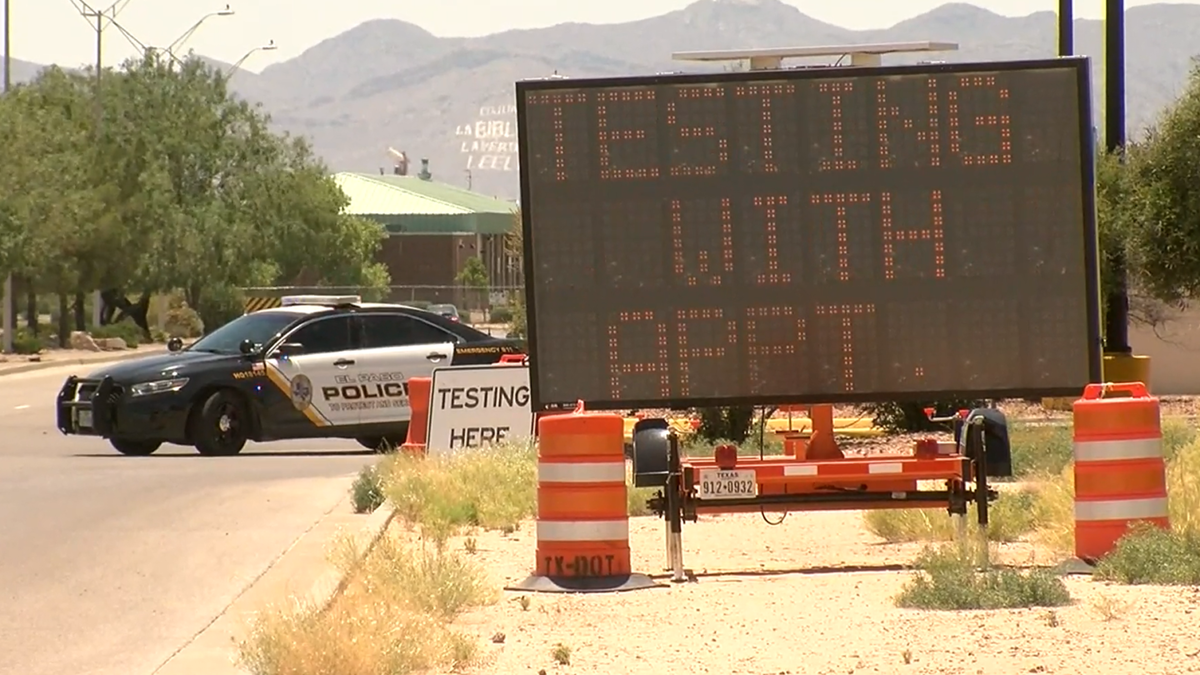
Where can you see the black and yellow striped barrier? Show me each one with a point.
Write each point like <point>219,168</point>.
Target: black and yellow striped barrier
<point>254,304</point>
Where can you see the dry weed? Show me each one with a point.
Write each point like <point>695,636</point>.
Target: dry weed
<point>494,488</point>
<point>394,618</point>
<point>561,654</point>
<point>1109,608</point>
<point>397,613</point>
<point>357,636</point>
<point>1010,517</point>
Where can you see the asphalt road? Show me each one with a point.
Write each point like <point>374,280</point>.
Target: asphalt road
<point>110,564</point>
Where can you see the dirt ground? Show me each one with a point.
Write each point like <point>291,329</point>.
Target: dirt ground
<point>813,595</point>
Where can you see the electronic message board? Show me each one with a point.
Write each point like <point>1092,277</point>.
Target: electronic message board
<point>810,235</point>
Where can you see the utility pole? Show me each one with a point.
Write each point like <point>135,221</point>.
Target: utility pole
<point>1116,316</point>
<point>1066,27</point>
<point>10,303</point>
<point>97,300</point>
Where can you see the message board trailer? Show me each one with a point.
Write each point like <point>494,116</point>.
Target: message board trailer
<point>478,405</point>
<point>820,235</point>
<point>728,483</point>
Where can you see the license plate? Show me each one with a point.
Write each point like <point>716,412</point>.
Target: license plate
<point>84,418</point>
<point>718,484</point>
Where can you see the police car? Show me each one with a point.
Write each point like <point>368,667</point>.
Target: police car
<point>315,367</point>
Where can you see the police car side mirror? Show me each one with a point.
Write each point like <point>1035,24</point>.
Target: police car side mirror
<point>174,344</point>
<point>289,349</point>
<point>246,347</point>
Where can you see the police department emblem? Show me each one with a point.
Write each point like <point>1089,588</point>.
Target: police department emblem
<point>302,391</point>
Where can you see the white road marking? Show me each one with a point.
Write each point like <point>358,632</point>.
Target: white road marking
<point>21,407</point>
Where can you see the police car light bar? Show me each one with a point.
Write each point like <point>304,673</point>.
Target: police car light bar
<point>324,300</point>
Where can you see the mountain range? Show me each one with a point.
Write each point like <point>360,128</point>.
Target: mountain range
<point>391,84</point>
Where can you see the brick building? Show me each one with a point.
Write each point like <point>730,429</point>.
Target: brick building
<point>433,229</point>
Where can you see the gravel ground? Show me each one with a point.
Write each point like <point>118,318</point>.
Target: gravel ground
<point>814,595</point>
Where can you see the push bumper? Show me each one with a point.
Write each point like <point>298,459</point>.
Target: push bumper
<point>103,408</point>
<point>85,407</point>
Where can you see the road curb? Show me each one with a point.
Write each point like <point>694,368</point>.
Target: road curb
<point>330,585</point>
<point>212,651</point>
<point>59,363</point>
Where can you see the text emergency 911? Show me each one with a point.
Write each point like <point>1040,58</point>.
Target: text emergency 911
<point>477,406</point>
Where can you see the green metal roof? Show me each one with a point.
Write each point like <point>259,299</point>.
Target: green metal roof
<point>450,194</point>
<point>407,204</point>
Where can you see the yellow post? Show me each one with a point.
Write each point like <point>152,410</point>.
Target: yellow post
<point>1116,368</point>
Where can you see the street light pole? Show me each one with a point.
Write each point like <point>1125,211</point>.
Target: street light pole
<point>10,305</point>
<point>188,33</point>
<point>269,47</point>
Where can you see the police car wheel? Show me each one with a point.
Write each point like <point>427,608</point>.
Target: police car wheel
<point>222,426</point>
<point>132,448</point>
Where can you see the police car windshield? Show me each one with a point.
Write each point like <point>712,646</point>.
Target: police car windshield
<point>259,327</point>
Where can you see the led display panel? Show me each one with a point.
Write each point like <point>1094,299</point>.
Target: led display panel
<point>810,235</point>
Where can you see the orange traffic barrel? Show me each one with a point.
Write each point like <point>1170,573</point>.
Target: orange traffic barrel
<point>1120,477</point>
<point>583,517</point>
<point>419,391</point>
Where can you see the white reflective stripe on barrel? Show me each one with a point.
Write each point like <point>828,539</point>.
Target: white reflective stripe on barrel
<point>583,530</point>
<point>1121,509</point>
<point>1137,448</point>
<point>885,467</point>
<point>585,472</point>
<point>800,470</point>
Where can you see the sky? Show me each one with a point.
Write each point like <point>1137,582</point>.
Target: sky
<point>52,31</point>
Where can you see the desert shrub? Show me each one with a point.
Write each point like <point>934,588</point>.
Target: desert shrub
<point>183,322</point>
<point>1151,555</point>
<point>947,579</point>
<point>126,330</point>
<point>25,342</point>
<point>366,493</point>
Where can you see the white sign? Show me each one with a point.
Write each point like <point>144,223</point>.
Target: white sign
<point>721,484</point>
<point>477,406</point>
<point>490,143</point>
